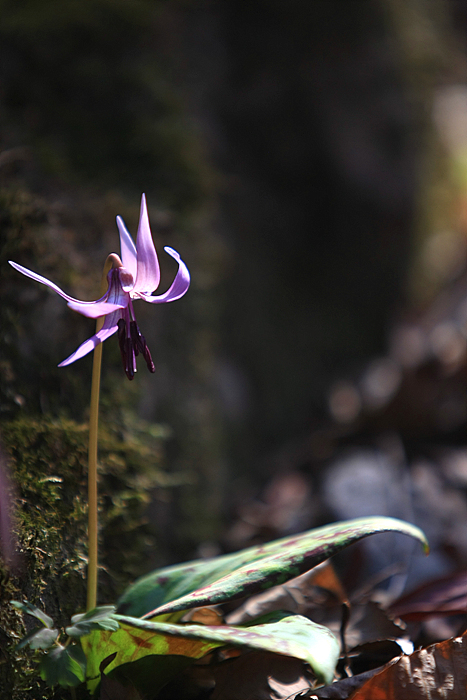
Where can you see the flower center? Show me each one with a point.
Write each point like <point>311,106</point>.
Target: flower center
<point>126,279</point>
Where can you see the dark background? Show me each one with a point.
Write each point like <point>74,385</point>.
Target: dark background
<point>288,151</point>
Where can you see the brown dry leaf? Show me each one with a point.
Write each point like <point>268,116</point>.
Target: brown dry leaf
<point>443,596</point>
<point>204,616</point>
<point>277,598</point>
<point>260,676</point>
<point>340,690</point>
<point>324,576</point>
<point>319,587</point>
<point>373,655</point>
<point>438,672</point>
<point>368,623</point>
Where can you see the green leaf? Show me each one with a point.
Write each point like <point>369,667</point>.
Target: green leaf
<point>173,647</point>
<point>236,575</point>
<point>170,655</point>
<point>40,638</point>
<point>35,612</point>
<point>65,666</point>
<point>279,632</point>
<point>98,618</point>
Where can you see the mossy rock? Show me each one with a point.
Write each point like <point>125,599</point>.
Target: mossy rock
<point>47,464</point>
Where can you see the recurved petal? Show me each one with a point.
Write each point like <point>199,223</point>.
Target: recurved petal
<point>179,286</point>
<point>95,309</point>
<point>127,249</point>
<point>51,285</point>
<point>105,332</point>
<point>147,274</point>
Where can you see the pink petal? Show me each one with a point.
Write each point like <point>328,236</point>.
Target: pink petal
<point>48,283</point>
<point>95,309</point>
<point>90,344</point>
<point>127,249</point>
<point>148,274</point>
<point>179,286</point>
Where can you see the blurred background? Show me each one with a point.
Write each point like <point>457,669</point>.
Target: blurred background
<point>309,162</point>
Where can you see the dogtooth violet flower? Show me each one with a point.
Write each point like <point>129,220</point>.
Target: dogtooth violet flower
<point>134,275</point>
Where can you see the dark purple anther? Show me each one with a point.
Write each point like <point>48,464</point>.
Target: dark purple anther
<point>140,345</point>
<point>131,345</point>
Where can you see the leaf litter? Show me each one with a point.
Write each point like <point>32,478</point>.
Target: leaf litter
<point>375,641</point>
<point>272,643</point>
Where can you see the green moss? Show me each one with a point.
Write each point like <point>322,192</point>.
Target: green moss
<point>47,461</point>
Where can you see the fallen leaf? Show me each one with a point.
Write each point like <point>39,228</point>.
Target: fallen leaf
<point>375,654</point>
<point>325,576</point>
<point>204,616</point>
<point>369,623</point>
<point>260,675</point>
<point>443,596</point>
<point>340,690</point>
<point>438,672</point>
<point>319,587</point>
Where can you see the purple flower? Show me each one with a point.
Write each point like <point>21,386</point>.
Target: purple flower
<point>133,276</point>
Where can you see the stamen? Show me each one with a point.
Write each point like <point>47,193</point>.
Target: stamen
<point>141,345</point>
<point>131,344</point>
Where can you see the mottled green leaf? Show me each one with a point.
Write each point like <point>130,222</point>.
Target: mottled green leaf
<point>279,632</point>
<point>169,654</point>
<point>173,647</point>
<point>98,618</point>
<point>65,666</point>
<point>35,612</point>
<point>41,638</point>
<point>236,575</point>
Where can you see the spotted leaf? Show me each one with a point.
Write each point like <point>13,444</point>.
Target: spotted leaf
<point>173,589</point>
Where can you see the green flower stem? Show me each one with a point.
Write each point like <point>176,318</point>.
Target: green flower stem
<point>92,457</point>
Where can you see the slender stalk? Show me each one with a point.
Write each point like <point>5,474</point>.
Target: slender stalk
<point>92,479</point>
<point>92,459</point>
